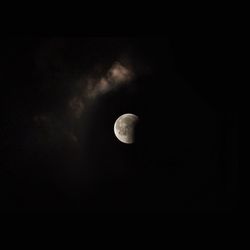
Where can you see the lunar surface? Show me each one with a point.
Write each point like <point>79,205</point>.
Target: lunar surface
<point>124,128</point>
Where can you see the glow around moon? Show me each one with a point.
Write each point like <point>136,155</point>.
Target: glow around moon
<point>124,128</point>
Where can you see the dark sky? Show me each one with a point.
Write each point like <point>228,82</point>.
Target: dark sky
<point>58,149</point>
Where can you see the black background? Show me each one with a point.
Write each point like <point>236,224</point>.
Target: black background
<point>185,155</point>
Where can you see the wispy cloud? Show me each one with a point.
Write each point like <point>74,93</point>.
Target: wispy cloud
<point>77,106</point>
<point>92,86</point>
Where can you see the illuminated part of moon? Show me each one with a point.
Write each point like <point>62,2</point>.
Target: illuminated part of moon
<point>124,128</point>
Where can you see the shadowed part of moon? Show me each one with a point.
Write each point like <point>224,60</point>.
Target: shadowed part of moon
<point>124,128</point>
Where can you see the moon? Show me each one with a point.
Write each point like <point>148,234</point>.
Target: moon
<point>124,128</point>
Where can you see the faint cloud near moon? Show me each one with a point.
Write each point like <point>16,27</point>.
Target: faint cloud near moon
<point>92,87</point>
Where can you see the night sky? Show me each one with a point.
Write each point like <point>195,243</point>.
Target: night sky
<point>60,97</point>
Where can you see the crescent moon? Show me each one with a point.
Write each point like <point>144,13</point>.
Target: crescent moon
<point>124,128</point>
